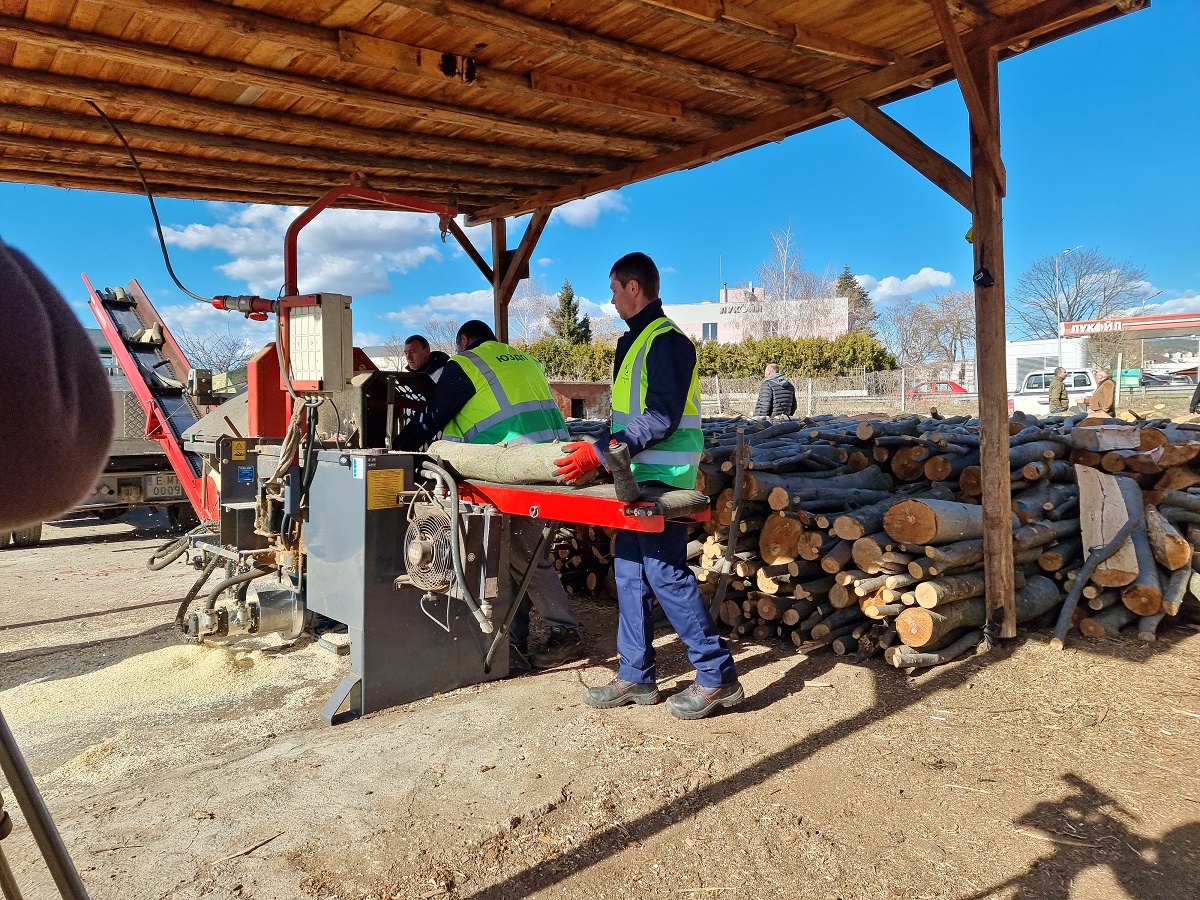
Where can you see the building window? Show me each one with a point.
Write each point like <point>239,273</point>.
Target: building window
<point>709,331</point>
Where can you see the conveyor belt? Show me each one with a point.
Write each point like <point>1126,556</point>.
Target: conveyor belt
<point>157,373</point>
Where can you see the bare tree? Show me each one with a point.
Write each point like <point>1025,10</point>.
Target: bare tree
<point>220,350</point>
<point>441,332</point>
<point>393,348</point>
<point>529,310</point>
<point>953,326</point>
<point>906,332</point>
<point>606,329</point>
<point>1089,285</point>
<point>794,299</point>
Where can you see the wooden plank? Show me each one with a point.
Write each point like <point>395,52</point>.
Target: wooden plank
<point>558,88</point>
<point>476,257</point>
<point>499,263</point>
<point>1102,512</point>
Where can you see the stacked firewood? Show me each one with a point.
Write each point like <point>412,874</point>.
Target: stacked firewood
<point>582,554</point>
<point>865,535</point>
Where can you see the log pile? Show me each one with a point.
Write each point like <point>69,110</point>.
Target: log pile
<point>865,535</point>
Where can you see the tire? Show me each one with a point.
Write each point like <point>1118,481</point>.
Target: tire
<point>109,513</point>
<point>28,537</point>
<point>182,517</point>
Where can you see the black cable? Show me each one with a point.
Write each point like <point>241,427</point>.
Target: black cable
<point>149,196</point>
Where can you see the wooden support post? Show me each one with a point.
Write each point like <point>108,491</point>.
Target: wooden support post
<point>988,240</point>
<point>499,261</point>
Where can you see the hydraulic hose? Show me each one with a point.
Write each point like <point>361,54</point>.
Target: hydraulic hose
<point>172,550</point>
<point>181,613</point>
<point>216,592</point>
<point>435,471</point>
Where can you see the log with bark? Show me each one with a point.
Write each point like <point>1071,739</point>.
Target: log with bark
<point>919,627</point>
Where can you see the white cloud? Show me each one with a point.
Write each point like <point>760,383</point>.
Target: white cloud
<point>200,321</point>
<point>545,261</point>
<point>1187,302</point>
<point>348,251</point>
<point>367,339</point>
<point>584,213</point>
<point>893,288</point>
<point>463,305</point>
<point>594,309</point>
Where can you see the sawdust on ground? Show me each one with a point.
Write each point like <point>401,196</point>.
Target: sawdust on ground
<point>183,772</point>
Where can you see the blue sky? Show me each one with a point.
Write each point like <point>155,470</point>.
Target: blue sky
<point>1100,135</point>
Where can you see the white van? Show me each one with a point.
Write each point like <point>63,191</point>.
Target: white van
<point>1034,394</point>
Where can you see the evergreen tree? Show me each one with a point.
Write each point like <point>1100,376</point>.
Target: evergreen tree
<point>565,320</point>
<point>862,308</point>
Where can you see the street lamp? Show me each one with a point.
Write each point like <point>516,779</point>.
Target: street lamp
<point>1058,300</point>
<point>1146,300</point>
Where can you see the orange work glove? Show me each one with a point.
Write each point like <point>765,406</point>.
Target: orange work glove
<point>581,458</point>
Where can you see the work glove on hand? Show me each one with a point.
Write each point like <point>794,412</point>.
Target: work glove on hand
<point>581,458</point>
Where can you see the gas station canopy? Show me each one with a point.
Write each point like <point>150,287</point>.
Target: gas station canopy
<point>1154,326</point>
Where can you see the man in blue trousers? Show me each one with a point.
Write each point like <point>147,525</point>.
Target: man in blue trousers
<point>656,412</point>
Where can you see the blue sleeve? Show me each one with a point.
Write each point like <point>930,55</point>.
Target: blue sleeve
<point>453,391</point>
<point>669,367</point>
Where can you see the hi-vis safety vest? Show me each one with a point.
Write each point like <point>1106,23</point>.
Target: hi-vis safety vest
<point>512,401</point>
<point>675,460</point>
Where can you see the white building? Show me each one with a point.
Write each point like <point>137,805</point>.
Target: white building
<point>740,311</point>
<point>1023,357</point>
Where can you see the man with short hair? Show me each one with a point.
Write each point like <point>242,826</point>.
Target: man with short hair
<point>1058,392</point>
<point>1103,401</point>
<point>491,393</point>
<point>777,396</point>
<point>423,360</point>
<point>656,412</point>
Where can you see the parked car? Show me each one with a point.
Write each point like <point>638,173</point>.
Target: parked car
<point>1033,396</point>
<point>935,389</point>
<point>1149,379</point>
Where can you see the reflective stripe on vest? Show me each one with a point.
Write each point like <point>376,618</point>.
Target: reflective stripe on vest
<point>515,409</point>
<point>676,459</point>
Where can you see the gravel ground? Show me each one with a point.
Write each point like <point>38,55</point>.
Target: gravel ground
<point>184,772</point>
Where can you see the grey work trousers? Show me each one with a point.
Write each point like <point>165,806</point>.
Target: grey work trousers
<point>545,590</point>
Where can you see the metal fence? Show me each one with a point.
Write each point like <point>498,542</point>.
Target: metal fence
<point>913,388</point>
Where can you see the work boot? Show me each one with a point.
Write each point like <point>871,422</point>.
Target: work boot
<point>618,692</point>
<point>698,701</point>
<point>518,659</point>
<point>565,645</point>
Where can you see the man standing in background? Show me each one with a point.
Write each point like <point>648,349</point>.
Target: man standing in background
<point>777,396</point>
<point>421,359</point>
<point>1058,392</point>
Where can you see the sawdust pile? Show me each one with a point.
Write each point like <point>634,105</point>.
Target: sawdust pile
<point>126,713</point>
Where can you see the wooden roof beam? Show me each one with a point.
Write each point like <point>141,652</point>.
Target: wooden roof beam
<point>539,84</point>
<point>517,262</point>
<point>932,63</point>
<point>476,257</point>
<point>982,125</point>
<point>333,135</point>
<point>336,160</point>
<point>941,171</point>
<point>738,21</point>
<point>611,52</point>
<point>164,59</point>
<point>419,62</point>
<point>159,164</point>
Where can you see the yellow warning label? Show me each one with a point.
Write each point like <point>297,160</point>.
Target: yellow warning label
<point>383,486</point>
<point>238,449</point>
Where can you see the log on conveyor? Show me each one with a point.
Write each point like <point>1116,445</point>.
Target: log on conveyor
<point>500,463</point>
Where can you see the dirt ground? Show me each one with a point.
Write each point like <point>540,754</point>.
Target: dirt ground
<point>185,772</point>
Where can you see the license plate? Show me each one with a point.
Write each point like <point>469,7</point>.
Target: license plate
<point>161,487</point>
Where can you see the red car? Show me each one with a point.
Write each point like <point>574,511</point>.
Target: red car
<point>935,389</point>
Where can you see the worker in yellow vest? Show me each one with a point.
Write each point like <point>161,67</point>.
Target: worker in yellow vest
<point>656,412</point>
<point>491,393</point>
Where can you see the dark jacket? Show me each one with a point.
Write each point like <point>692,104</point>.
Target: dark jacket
<point>669,367</point>
<point>454,389</point>
<point>1058,395</point>
<point>776,397</point>
<point>433,365</point>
